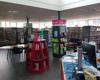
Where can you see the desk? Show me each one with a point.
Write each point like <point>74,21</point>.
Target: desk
<point>68,66</point>
<point>63,75</point>
<point>71,62</point>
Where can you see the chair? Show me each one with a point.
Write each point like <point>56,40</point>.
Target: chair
<point>15,51</point>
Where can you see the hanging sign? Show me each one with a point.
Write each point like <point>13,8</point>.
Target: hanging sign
<point>59,22</point>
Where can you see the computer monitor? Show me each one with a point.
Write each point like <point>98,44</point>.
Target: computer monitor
<point>75,41</point>
<point>90,54</point>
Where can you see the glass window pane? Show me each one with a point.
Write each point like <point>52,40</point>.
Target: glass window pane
<point>7,24</point>
<point>35,25</point>
<point>20,24</point>
<point>13,24</point>
<point>2,23</point>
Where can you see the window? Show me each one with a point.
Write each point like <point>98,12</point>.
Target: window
<point>12,24</point>
<point>7,24</point>
<point>3,24</point>
<point>20,24</point>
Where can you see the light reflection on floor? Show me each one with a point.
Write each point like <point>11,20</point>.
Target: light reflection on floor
<point>17,71</point>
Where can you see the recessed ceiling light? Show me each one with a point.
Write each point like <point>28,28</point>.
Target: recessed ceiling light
<point>12,11</point>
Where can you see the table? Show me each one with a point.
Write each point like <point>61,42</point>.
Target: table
<point>11,46</point>
<point>68,66</point>
<point>71,61</point>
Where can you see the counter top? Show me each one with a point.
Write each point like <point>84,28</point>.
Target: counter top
<point>70,60</point>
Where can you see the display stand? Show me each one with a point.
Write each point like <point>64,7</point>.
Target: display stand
<point>58,38</point>
<point>37,58</point>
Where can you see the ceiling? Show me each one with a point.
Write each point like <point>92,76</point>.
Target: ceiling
<point>57,5</point>
<point>86,12</point>
<point>20,12</point>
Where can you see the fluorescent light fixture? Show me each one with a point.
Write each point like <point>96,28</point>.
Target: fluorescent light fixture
<point>13,11</point>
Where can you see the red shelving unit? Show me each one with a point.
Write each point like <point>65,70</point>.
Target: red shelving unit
<point>37,58</point>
